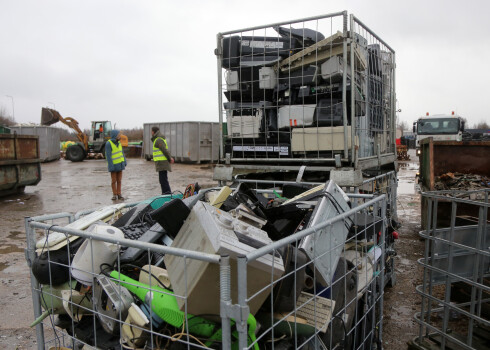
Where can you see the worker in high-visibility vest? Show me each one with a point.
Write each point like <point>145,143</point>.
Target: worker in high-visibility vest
<point>116,163</point>
<point>162,158</point>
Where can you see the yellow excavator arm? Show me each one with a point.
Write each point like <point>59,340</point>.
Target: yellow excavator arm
<point>50,116</point>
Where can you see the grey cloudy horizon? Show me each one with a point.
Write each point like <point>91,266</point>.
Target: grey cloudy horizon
<point>135,62</point>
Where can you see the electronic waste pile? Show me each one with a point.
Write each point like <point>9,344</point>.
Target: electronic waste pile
<point>317,290</point>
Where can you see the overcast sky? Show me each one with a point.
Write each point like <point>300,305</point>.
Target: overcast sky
<point>134,62</point>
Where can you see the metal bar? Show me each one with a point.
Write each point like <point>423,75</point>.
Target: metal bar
<point>454,244</point>
<point>219,54</point>
<point>50,217</point>
<point>242,300</point>
<point>383,268</point>
<point>272,182</point>
<point>336,14</point>
<point>393,108</point>
<point>479,234</point>
<point>225,295</point>
<point>372,33</point>
<point>443,335</point>
<point>457,200</point>
<point>36,301</point>
<point>447,294</point>
<point>285,160</point>
<point>352,97</point>
<point>461,309</point>
<point>344,85</point>
<point>281,167</point>
<point>453,275</point>
<point>391,173</point>
<point>212,258</point>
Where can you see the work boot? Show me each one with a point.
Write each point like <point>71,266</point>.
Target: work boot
<point>114,197</point>
<point>120,197</point>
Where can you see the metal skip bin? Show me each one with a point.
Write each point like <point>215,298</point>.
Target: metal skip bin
<point>49,140</point>
<point>189,142</point>
<point>19,163</point>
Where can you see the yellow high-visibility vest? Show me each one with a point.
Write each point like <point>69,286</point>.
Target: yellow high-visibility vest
<point>157,153</point>
<point>117,153</point>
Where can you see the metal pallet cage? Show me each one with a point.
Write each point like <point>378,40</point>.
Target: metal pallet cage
<point>318,288</point>
<point>305,92</point>
<point>456,264</point>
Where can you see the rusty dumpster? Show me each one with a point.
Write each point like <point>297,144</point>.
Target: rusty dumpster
<point>439,158</point>
<point>20,165</point>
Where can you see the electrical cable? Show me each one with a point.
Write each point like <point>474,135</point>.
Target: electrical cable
<point>178,336</point>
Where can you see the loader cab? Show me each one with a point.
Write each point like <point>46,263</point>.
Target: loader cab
<point>100,131</point>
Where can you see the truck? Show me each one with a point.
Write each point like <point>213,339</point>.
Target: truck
<point>441,127</point>
<point>87,145</point>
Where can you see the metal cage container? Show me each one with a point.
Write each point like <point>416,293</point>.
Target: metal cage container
<point>258,286</point>
<point>306,92</point>
<point>456,264</point>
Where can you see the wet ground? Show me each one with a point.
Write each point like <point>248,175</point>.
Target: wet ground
<point>67,186</point>
<point>401,301</point>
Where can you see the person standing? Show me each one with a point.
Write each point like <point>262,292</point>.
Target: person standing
<point>162,158</point>
<point>116,163</point>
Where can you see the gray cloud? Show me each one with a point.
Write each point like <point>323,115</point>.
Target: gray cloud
<point>140,61</point>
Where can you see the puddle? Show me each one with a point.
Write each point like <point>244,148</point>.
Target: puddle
<point>16,234</point>
<point>10,248</point>
<point>100,170</point>
<point>404,261</point>
<point>406,186</point>
<point>404,310</point>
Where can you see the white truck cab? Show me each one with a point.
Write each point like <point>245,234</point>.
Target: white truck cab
<point>441,127</point>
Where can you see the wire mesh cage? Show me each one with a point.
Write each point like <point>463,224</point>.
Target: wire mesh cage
<point>222,279</point>
<point>455,291</point>
<point>304,91</point>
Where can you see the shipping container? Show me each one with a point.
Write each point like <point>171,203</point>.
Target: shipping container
<point>310,95</point>
<point>19,163</point>
<point>49,139</point>
<point>189,142</point>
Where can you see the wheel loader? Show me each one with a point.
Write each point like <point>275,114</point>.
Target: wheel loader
<point>87,145</point>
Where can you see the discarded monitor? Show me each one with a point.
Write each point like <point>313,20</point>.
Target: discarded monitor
<point>325,246</point>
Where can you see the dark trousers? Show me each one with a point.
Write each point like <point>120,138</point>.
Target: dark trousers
<point>162,175</point>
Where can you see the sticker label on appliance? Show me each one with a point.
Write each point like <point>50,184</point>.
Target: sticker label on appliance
<point>260,44</point>
<point>282,150</point>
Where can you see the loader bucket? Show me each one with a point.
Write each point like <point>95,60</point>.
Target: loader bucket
<point>49,116</point>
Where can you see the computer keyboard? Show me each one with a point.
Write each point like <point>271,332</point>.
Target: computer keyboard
<point>154,234</point>
<point>135,231</point>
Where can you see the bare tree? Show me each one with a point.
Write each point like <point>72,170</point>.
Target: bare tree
<point>5,119</point>
<point>482,125</point>
<point>402,125</point>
